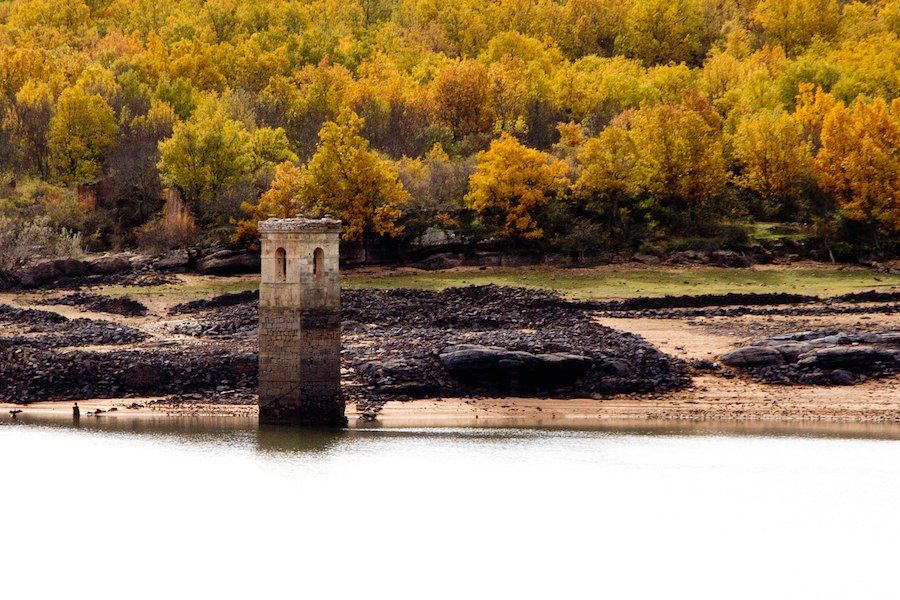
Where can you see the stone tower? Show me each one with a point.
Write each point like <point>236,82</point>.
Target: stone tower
<point>300,323</point>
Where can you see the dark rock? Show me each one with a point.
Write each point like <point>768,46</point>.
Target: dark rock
<point>519,260</point>
<point>108,265</point>
<point>752,356</point>
<point>38,274</point>
<point>70,267</point>
<point>447,260</point>
<point>499,368</point>
<point>177,261</point>
<point>229,262</point>
<point>727,258</point>
<point>646,259</point>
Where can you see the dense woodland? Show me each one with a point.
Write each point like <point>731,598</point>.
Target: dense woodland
<point>576,125</point>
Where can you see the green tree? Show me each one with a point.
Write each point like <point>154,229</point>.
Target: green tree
<point>205,155</point>
<point>81,132</point>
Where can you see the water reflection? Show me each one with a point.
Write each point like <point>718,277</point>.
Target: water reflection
<point>287,439</point>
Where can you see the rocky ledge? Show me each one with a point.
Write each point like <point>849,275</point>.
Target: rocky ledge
<point>820,357</point>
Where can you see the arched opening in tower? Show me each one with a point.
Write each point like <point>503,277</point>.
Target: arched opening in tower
<point>280,265</point>
<point>318,262</point>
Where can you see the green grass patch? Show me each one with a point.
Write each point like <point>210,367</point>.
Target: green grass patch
<point>771,232</point>
<point>193,289</point>
<point>630,282</point>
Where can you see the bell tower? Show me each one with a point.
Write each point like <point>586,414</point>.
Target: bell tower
<point>300,323</point>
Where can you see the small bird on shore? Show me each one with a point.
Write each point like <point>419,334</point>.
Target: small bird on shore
<point>15,413</point>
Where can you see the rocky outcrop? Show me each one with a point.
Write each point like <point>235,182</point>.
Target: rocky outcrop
<point>108,264</point>
<point>752,356</point>
<point>820,357</point>
<point>229,262</point>
<point>495,368</point>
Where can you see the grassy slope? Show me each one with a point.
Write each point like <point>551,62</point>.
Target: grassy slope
<point>624,282</point>
<point>603,282</point>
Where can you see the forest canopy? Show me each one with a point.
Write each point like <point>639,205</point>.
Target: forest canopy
<point>574,124</point>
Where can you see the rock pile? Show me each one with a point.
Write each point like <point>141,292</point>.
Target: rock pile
<point>478,339</point>
<point>820,357</point>
<point>45,329</point>
<point>96,303</point>
<point>29,374</point>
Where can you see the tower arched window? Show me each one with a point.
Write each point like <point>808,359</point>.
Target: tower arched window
<point>280,265</point>
<point>318,262</point>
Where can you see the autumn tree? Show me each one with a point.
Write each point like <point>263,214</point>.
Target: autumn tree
<point>81,132</point>
<point>211,154</point>
<point>512,186</point>
<point>680,164</point>
<point>348,179</point>
<point>860,164</point>
<point>662,31</point>
<point>607,182</point>
<point>204,156</point>
<point>280,201</point>
<point>462,96</point>
<point>794,23</point>
<point>776,162</point>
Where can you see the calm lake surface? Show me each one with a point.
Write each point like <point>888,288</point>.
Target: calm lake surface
<point>220,509</point>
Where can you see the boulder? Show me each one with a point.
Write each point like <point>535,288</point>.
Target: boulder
<point>38,274</point>
<point>752,356</point>
<point>70,267</point>
<point>520,260</point>
<point>727,258</point>
<point>852,358</point>
<point>177,260</point>
<point>437,262</point>
<point>498,368</point>
<point>433,237</point>
<point>7,280</point>
<point>108,265</point>
<point>646,259</point>
<point>229,262</point>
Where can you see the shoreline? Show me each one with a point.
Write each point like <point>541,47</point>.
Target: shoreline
<point>710,399</point>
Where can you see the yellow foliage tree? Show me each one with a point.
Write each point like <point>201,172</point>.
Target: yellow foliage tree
<point>607,177</point>
<point>81,131</point>
<point>348,179</point>
<point>281,200</point>
<point>776,161</point>
<point>859,162</point>
<point>512,185</point>
<point>680,162</point>
<point>794,23</point>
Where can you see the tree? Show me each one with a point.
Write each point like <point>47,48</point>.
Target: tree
<point>607,179</point>
<point>794,23</point>
<point>81,132</point>
<point>512,186</point>
<point>205,155</point>
<point>281,200</point>
<point>663,31</point>
<point>776,162</point>
<point>860,164</point>
<point>679,164</point>
<point>462,96</point>
<point>348,179</point>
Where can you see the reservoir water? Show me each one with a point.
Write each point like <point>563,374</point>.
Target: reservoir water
<point>221,509</point>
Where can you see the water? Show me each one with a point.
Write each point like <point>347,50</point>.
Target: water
<point>219,509</point>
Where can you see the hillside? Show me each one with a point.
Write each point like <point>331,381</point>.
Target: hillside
<point>575,125</point>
